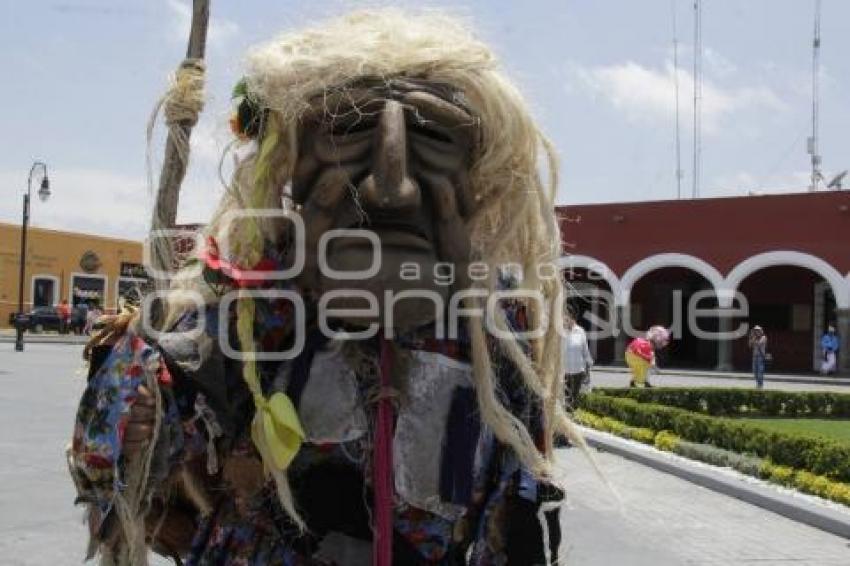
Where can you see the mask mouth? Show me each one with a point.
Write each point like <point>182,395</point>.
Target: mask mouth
<point>388,235</point>
<point>403,238</point>
<point>397,224</point>
<point>394,232</point>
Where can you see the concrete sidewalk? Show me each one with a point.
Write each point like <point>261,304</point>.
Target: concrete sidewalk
<point>802,508</point>
<point>644,517</point>
<point>7,336</point>
<point>737,375</point>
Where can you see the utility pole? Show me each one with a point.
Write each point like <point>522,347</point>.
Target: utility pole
<point>697,95</point>
<point>813,140</point>
<point>676,91</point>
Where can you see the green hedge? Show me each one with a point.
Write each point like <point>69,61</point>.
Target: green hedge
<point>742,402</point>
<point>665,440</point>
<point>820,456</point>
<point>607,424</point>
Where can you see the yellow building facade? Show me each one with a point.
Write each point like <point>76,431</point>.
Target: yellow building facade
<point>66,265</point>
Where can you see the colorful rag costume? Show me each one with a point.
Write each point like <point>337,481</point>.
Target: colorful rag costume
<point>458,489</point>
<point>639,357</point>
<point>640,353</point>
<point>409,446</point>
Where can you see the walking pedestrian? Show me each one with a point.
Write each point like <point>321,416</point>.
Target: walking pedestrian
<point>640,354</point>
<point>64,312</point>
<point>78,317</point>
<point>829,347</point>
<point>92,315</point>
<point>575,358</point>
<point>758,344</point>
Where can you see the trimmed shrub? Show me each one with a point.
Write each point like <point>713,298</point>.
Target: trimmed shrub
<point>817,455</point>
<point>709,454</point>
<point>783,475</point>
<point>807,482</point>
<point>742,402</point>
<point>667,441</point>
<point>607,424</point>
<point>645,435</point>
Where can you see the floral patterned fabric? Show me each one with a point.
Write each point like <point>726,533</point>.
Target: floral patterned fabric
<point>102,416</point>
<point>233,539</point>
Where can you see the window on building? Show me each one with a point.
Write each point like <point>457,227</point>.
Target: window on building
<point>43,292</point>
<point>87,289</point>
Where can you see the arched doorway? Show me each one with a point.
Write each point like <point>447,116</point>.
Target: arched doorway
<point>662,296</point>
<point>590,296</point>
<point>794,305</point>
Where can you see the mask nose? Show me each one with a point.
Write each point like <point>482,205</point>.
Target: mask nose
<point>389,187</point>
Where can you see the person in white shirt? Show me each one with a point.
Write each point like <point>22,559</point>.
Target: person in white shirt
<point>575,357</point>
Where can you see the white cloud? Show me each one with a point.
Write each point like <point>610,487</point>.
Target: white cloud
<point>645,94</point>
<point>84,200</point>
<point>209,139</point>
<point>219,30</point>
<point>104,202</point>
<point>716,64</point>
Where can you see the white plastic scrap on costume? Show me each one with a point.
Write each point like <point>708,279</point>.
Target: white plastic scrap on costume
<point>421,430</point>
<point>330,409</point>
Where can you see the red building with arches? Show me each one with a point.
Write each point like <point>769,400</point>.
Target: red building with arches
<point>787,256</point>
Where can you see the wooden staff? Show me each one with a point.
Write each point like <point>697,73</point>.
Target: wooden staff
<point>176,158</point>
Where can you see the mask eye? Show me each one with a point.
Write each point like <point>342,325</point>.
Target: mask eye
<point>350,127</point>
<point>430,133</point>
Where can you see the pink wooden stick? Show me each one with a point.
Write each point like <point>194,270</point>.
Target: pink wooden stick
<point>382,544</point>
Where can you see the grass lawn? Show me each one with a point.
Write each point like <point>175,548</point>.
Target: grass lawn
<point>830,428</point>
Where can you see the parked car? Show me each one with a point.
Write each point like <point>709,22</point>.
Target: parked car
<point>39,319</point>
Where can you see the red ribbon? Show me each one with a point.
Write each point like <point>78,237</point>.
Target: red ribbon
<point>242,277</point>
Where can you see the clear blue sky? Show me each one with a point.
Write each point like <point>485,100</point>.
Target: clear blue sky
<point>83,75</point>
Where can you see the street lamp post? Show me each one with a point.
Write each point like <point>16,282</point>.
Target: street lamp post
<point>43,194</point>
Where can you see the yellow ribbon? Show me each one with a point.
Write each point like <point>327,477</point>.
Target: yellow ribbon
<point>276,430</point>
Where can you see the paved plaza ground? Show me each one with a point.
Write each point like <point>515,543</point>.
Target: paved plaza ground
<point>659,520</point>
<point>605,377</point>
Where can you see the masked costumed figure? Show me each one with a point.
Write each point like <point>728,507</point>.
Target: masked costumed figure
<point>340,375</point>
<point>641,354</point>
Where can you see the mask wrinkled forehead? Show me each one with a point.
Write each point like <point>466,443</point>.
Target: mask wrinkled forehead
<point>396,87</point>
<point>428,101</point>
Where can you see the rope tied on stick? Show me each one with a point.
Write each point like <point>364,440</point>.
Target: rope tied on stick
<point>182,105</point>
<point>184,100</point>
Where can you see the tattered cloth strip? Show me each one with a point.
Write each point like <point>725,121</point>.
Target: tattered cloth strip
<point>95,459</point>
